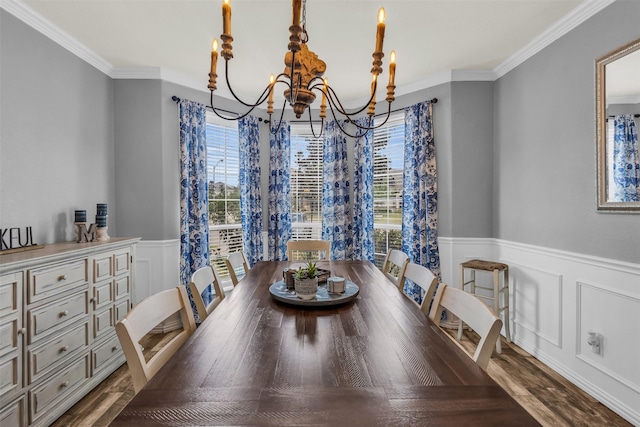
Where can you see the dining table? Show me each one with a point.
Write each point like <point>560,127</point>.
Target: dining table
<point>374,360</point>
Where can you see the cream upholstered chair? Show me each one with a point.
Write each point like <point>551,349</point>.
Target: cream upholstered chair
<point>474,313</point>
<point>143,318</point>
<point>394,266</point>
<point>234,262</point>
<point>201,279</point>
<point>424,278</point>
<point>319,246</point>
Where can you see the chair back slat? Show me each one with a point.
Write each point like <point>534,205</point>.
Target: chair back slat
<point>234,262</point>
<point>201,279</point>
<point>394,267</point>
<point>322,247</point>
<point>472,311</point>
<point>424,278</point>
<point>145,316</point>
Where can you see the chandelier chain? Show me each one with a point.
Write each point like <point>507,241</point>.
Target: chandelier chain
<point>304,36</point>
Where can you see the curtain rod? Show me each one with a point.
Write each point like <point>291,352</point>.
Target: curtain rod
<point>176,100</point>
<point>432,100</point>
<point>613,117</point>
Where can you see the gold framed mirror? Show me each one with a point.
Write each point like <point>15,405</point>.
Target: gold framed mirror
<point>618,107</point>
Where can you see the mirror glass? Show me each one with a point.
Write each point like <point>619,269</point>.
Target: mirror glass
<point>618,118</point>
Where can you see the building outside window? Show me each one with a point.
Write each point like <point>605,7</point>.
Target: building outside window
<point>306,184</point>
<point>388,165</point>
<point>225,228</point>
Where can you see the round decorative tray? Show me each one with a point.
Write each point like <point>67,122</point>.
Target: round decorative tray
<point>280,292</point>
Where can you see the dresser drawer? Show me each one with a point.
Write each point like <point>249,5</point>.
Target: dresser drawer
<point>57,350</point>
<point>102,267</point>
<point>46,319</point>
<point>55,279</point>
<point>121,309</point>
<point>10,374</point>
<point>122,287</point>
<point>10,294</point>
<point>10,340</point>
<point>103,322</point>
<point>102,294</point>
<point>14,414</point>
<point>106,353</point>
<point>122,261</point>
<point>56,388</point>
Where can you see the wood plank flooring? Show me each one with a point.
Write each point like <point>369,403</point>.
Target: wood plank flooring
<point>550,398</point>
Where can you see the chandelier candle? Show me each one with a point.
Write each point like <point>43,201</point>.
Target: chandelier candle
<point>272,79</point>
<point>392,76</point>
<point>226,18</point>
<point>214,63</point>
<point>380,32</point>
<point>296,5</point>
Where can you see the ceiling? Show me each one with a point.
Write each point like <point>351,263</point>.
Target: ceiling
<point>431,37</point>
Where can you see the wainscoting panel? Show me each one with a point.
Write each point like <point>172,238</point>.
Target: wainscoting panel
<point>556,298</point>
<point>536,302</point>
<point>157,267</point>
<point>618,339</point>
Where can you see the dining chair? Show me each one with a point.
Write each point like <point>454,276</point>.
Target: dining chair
<point>395,264</point>
<point>321,247</point>
<point>201,279</point>
<point>424,278</point>
<point>475,313</point>
<point>234,262</point>
<point>145,316</point>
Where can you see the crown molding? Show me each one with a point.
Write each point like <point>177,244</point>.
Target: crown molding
<point>574,18</point>
<point>577,16</point>
<point>41,24</point>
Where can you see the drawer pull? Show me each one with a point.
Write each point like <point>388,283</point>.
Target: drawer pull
<point>22,331</point>
<point>63,313</point>
<point>64,384</point>
<point>63,349</point>
<point>114,348</point>
<point>62,277</point>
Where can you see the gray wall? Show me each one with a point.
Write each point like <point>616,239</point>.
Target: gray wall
<point>56,135</point>
<point>545,149</point>
<point>472,159</point>
<point>523,170</point>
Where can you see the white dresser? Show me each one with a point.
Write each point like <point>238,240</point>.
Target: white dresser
<point>58,310</point>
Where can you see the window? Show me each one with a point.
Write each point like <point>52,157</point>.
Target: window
<point>225,228</point>
<point>388,165</point>
<point>306,184</point>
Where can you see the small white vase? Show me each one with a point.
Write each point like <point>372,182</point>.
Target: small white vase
<point>306,289</point>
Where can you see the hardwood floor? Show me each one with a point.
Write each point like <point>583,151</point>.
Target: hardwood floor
<point>550,398</point>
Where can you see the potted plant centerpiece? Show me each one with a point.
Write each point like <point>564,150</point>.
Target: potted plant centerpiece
<point>306,281</point>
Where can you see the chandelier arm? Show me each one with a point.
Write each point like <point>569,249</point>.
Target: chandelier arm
<point>311,125</point>
<point>333,99</point>
<point>273,132</point>
<point>342,129</point>
<point>261,99</point>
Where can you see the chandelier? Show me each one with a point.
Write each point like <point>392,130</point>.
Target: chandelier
<point>302,77</point>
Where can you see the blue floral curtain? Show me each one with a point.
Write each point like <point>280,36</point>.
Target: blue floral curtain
<point>250,198</point>
<point>279,191</point>
<point>363,247</point>
<point>420,193</point>
<point>194,194</point>
<point>626,159</point>
<point>336,207</point>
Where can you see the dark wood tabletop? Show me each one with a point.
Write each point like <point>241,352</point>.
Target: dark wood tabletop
<point>377,360</point>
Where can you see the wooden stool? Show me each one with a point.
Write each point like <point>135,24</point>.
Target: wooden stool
<point>496,267</point>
